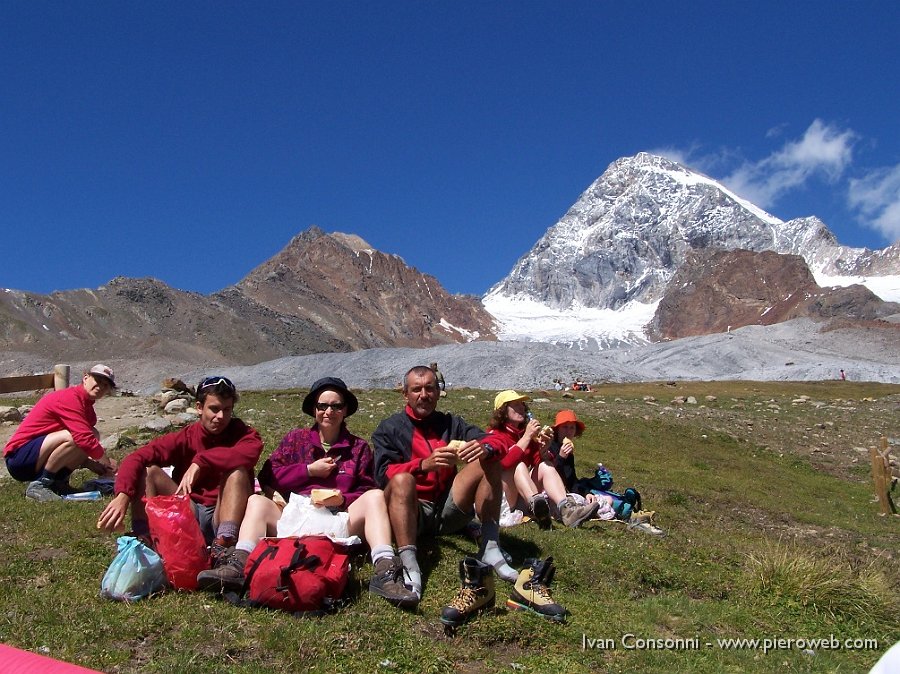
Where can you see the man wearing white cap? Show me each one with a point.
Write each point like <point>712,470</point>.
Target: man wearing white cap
<point>58,436</point>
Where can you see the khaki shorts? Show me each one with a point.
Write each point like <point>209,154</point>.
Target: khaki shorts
<point>447,518</point>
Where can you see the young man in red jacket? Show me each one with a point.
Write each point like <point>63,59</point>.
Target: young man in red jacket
<point>58,436</point>
<point>213,461</point>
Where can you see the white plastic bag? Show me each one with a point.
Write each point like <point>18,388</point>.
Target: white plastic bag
<point>508,517</point>
<point>301,518</point>
<point>135,572</point>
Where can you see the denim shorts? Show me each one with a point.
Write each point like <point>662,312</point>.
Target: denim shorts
<point>22,463</point>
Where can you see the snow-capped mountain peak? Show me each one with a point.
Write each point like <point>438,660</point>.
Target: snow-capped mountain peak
<point>616,249</point>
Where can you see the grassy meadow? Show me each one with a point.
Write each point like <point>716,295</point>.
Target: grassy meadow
<point>764,490</point>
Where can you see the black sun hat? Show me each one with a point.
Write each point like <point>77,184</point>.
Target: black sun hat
<point>309,402</point>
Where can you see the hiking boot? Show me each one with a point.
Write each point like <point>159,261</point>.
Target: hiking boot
<point>38,491</point>
<point>541,511</point>
<point>221,550</point>
<point>228,576</point>
<point>532,591</point>
<point>476,593</point>
<point>575,515</point>
<point>388,583</point>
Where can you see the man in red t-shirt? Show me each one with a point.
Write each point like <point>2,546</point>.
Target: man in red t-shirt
<point>58,436</point>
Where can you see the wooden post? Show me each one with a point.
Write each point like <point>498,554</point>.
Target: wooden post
<point>881,475</point>
<point>61,377</point>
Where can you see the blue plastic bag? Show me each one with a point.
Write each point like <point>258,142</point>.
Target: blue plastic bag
<point>135,572</point>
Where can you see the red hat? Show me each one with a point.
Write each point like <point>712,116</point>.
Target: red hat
<point>566,416</point>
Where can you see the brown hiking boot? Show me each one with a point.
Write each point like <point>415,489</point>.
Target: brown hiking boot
<point>541,511</point>
<point>227,576</point>
<point>388,583</point>
<point>532,591</point>
<point>575,515</point>
<point>220,550</point>
<point>476,593</point>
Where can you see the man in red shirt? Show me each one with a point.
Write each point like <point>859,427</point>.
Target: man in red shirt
<point>58,436</point>
<point>213,461</point>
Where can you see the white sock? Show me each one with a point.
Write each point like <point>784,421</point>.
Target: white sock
<point>382,552</point>
<point>493,555</point>
<point>411,566</point>
<point>246,546</point>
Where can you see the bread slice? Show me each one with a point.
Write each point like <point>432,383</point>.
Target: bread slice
<point>330,498</point>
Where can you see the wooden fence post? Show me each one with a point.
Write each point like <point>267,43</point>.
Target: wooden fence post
<point>881,475</point>
<point>61,377</point>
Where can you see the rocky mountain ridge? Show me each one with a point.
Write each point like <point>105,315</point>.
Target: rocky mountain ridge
<point>718,290</point>
<point>320,293</point>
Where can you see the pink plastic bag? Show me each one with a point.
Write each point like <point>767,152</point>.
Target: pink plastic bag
<point>177,538</point>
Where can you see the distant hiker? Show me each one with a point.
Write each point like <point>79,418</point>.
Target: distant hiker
<point>324,457</point>
<point>213,461</point>
<point>843,376</point>
<point>526,476</point>
<point>58,436</point>
<point>439,377</point>
<point>427,495</point>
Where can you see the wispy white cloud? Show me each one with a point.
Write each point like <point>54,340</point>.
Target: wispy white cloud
<point>877,198</point>
<point>824,150</point>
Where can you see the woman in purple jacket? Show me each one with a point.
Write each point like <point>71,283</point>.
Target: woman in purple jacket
<point>324,456</point>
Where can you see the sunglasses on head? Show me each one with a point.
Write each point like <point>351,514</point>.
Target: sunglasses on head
<point>337,407</point>
<point>215,381</point>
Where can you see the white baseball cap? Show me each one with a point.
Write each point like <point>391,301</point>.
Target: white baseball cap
<point>104,371</point>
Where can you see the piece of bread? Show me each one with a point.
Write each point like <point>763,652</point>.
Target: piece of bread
<point>457,445</point>
<point>329,498</point>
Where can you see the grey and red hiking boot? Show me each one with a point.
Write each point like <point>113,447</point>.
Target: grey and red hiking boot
<point>532,591</point>
<point>388,583</point>
<point>227,576</point>
<point>476,593</point>
<point>573,515</point>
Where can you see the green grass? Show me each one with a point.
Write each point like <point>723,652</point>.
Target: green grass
<point>772,533</point>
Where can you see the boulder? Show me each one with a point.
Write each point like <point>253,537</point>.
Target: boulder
<point>10,414</point>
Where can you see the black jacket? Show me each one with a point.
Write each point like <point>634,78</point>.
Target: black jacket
<point>392,440</point>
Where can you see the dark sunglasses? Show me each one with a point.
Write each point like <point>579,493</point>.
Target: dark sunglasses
<point>215,381</point>
<point>337,407</point>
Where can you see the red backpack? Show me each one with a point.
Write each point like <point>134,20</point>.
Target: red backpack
<point>296,574</point>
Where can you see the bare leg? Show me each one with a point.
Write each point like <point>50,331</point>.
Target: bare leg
<point>369,518</point>
<point>526,486</point>
<point>59,452</point>
<point>235,489</point>
<point>402,504</point>
<point>261,519</point>
<point>403,508</point>
<point>549,480</point>
<point>155,482</point>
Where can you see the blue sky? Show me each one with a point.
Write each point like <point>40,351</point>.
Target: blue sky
<point>190,141</point>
